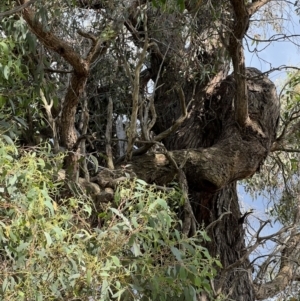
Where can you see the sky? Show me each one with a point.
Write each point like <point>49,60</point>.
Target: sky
<point>265,56</point>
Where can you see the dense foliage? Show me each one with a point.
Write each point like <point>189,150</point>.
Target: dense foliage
<point>49,250</point>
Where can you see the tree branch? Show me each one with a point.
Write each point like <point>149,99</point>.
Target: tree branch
<point>235,49</point>
<point>136,95</point>
<point>253,7</point>
<point>108,134</point>
<point>172,128</point>
<point>52,42</point>
<point>16,9</point>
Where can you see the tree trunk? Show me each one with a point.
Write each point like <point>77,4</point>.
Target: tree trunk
<point>227,240</point>
<point>224,154</point>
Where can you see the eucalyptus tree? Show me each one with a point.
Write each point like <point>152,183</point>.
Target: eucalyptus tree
<point>143,87</point>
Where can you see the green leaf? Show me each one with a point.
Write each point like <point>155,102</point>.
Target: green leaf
<point>162,203</point>
<point>4,285</point>
<point>116,261</point>
<point>95,161</point>
<point>159,202</point>
<point>104,274</point>
<point>74,276</point>
<point>125,219</point>
<point>4,48</point>
<point>2,101</point>
<point>136,249</point>
<point>176,253</point>
<point>48,204</point>
<point>89,277</point>
<point>48,238</point>
<point>141,182</point>
<point>119,293</point>
<point>6,72</point>
<point>22,246</point>
<point>31,40</point>
<point>181,5</point>
<point>7,139</point>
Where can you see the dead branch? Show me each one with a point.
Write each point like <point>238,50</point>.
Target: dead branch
<point>173,128</point>
<point>58,71</point>
<point>211,225</point>
<point>108,134</point>
<point>82,138</point>
<point>259,240</point>
<point>135,96</point>
<point>288,260</point>
<point>87,35</point>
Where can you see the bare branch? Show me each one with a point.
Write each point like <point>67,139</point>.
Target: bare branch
<point>283,139</point>
<point>58,71</point>
<point>282,67</point>
<point>146,127</point>
<point>108,134</point>
<point>136,95</point>
<point>255,6</point>
<point>87,35</point>
<point>289,256</point>
<point>277,148</point>
<point>80,139</point>
<point>211,225</point>
<point>171,129</point>
<point>83,127</point>
<point>259,240</point>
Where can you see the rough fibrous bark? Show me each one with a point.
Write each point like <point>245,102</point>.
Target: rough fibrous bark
<point>235,153</point>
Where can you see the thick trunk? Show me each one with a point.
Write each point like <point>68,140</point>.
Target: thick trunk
<point>227,240</point>
<point>225,153</point>
<point>217,127</point>
<point>67,131</point>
